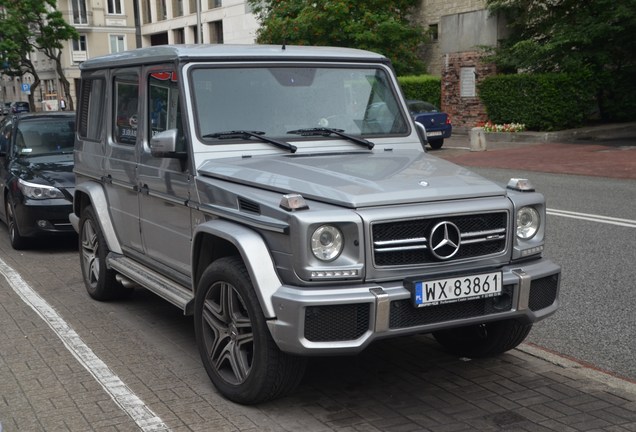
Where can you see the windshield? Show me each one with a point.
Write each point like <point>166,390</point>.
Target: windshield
<point>45,136</point>
<point>291,102</point>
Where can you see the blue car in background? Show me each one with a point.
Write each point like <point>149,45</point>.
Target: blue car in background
<point>437,123</point>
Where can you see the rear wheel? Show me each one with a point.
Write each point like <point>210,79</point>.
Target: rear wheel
<point>99,280</point>
<point>436,144</point>
<point>17,241</point>
<point>236,347</point>
<point>483,340</point>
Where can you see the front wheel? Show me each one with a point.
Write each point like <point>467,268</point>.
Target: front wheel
<point>236,348</point>
<point>483,340</point>
<point>17,241</point>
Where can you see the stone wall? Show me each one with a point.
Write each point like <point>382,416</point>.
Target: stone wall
<point>429,14</point>
<point>465,111</point>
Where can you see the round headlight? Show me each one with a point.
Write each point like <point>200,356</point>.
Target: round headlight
<point>326,243</point>
<point>528,222</point>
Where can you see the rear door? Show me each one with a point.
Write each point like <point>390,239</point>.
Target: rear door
<point>120,163</point>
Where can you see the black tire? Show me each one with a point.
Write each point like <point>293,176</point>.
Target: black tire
<point>483,340</point>
<point>236,348</point>
<point>17,241</point>
<point>436,144</point>
<point>99,280</point>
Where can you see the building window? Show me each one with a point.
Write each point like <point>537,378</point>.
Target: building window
<point>177,8</point>
<point>216,32</point>
<point>433,32</point>
<point>162,12</point>
<point>79,49</point>
<point>79,12</point>
<point>212,4</point>
<point>117,43</point>
<point>178,36</point>
<point>114,7</point>
<point>145,12</point>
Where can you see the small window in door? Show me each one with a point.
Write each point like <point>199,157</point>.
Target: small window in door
<point>126,109</point>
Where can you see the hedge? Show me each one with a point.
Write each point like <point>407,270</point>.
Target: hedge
<point>422,87</point>
<point>543,102</point>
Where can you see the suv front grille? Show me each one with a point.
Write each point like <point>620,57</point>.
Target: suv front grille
<point>406,242</point>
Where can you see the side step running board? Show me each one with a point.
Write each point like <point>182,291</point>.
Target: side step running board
<point>153,281</point>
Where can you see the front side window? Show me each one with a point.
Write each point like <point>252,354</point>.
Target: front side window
<point>126,103</point>
<point>288,102</point>
<point>164,111</point>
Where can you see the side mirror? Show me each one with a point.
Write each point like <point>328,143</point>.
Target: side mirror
<point>421,132</point>
<point>164,145</point>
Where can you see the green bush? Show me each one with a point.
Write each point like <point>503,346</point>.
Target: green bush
<point>422,87</point>
<point>543,102</point>
<point>617,98</point>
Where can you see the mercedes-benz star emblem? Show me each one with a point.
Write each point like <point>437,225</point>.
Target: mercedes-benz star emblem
<point>444,240</point>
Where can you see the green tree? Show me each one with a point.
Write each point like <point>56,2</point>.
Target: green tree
<point>27,26</point>
<point>375,25</point>
<point>591,36</point>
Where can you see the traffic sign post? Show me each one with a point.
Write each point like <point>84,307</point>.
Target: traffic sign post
<point>26,88</point>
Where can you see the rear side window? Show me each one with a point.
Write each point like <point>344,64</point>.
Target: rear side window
<point>126,103</point>
<point>90,112</point>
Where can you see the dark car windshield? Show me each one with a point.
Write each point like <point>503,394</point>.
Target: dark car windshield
<point>280,101</point>
<point>40,136</point>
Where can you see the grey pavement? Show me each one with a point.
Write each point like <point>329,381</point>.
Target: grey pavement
<point>401,385</point>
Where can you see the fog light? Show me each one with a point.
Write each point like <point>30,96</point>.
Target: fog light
<point>44,224</point>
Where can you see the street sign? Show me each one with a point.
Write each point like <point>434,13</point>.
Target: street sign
<point>26,88</point>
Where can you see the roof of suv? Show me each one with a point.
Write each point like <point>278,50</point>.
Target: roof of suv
<point>220,52</point>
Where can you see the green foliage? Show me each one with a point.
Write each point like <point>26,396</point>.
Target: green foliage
<point>543,102</point>
<point>595,37</point>
<point>373,25</point>
<point>422,87</point>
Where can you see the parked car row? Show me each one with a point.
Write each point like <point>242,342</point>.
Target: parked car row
<point>36,172</point>
<point>15,107</point>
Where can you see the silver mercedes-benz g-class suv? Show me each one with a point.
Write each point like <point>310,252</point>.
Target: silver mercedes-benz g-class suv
<point>283,196</point>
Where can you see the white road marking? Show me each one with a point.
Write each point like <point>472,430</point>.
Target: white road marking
<point>128,401</point>
<point>592,217</point>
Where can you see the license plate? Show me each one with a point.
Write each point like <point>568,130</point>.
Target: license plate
<point>434,133</point>
<point>456,289</point>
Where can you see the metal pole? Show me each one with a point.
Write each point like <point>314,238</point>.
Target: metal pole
<point>199,32</point>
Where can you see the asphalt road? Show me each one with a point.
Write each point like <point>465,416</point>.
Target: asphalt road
<point>596,322</point>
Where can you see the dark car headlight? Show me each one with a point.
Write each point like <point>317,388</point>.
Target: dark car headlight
<point>38,191</point>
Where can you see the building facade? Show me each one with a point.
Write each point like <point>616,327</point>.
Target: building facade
<point>456,30</point>
<point>111,26</point>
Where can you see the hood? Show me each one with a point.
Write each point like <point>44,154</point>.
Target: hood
<point>54,171</point>
<point>357,180</point>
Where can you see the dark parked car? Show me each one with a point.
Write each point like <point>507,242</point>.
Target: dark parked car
<point>36,174</point>
<point>437,123</point>
<point>18,107</point>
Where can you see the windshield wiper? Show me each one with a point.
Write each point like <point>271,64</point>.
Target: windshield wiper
<point>323,131</point>
<point>246,135</point>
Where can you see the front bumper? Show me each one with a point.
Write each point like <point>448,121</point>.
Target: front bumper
<point>43,217</point>
<point>345,320</point>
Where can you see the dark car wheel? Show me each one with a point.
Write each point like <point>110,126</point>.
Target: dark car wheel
<point>236,347</point>
<point>436,144</point>
<point>483,340</point>
<point>17,241</point>
<point>99,280</point>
